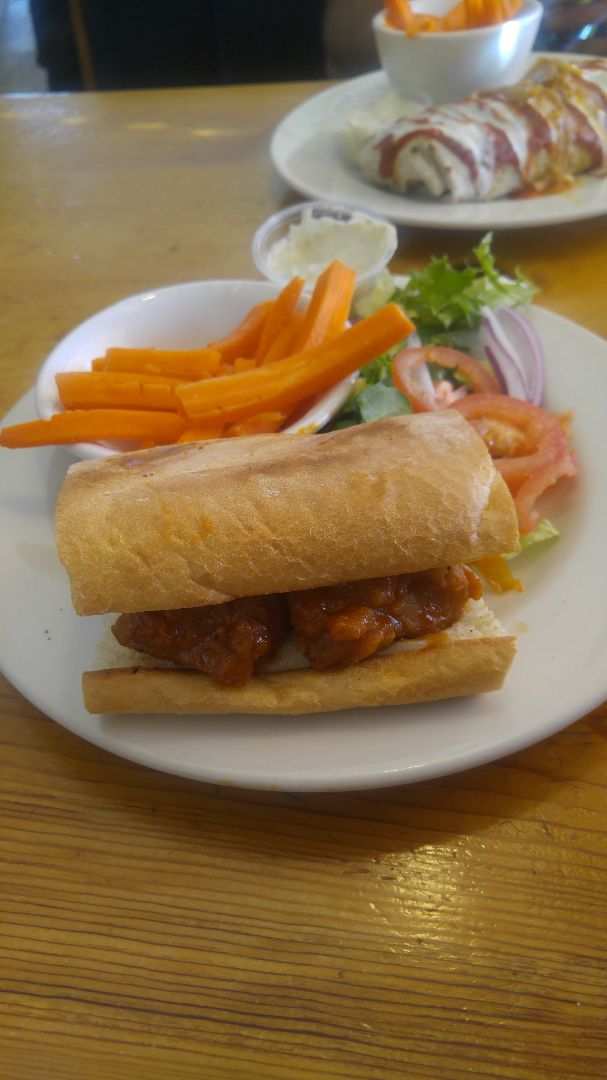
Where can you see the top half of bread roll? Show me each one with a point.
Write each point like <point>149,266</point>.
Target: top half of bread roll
<point>202,523</point>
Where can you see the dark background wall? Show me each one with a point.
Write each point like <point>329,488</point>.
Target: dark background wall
<point>143,43</point>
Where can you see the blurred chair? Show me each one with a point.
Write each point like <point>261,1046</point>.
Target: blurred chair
<point>125,44</point>
<point>56,48</point>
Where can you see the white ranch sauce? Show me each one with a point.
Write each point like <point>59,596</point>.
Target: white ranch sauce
<point>360,242</point>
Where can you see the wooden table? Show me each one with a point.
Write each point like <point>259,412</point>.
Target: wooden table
<point>154,927</point>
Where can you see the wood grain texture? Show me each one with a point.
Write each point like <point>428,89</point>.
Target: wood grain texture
<point>153,927</point>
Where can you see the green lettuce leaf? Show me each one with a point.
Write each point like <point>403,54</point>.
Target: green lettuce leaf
<point>543,531</point>
<point>443,299</point>
<point>378,401</point>
<point>374,396</point>
<point>376,297</point>
<point>380,369</point>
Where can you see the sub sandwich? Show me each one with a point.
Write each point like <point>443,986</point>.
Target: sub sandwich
<point>533,135</point>
<point>291,574</point>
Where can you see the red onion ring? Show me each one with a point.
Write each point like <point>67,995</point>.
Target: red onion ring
<point>515,352</point>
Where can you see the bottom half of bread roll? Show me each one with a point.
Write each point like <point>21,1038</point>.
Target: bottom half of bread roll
<point>471,657</point>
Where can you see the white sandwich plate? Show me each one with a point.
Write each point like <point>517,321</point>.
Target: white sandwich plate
<point>559,674</point>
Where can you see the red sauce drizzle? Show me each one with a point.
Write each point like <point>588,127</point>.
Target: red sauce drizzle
<point>540,131</point>
<point>589,86</point>
<point>503,151</point>
<point>389,149</point>
<point>584,135</point>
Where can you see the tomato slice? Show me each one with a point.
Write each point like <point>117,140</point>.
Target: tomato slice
<point>527,475</point>
<point>536,485</point>
<point>406,378</point>
<point>542,431</point>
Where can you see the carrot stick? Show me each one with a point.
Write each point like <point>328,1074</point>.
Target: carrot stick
<point>197,398</point>
<point>511,8</point>
<point>98,367</point>
<point>280,387</point>
<point>115,389</point>
<point>201,432</point>
<point>396,14</point>
<point>329,306</point>
<point>263,423</point>
<point>237,388</point>
<point>230,387</point>
<point>225,369</point>
<point>243,341</point>
<point>280,314</point>
<point>490,12</point>
<point>233,389</point>
<point>91,425</point>
<point>399,16</point>
<point>498,574</point>
<point>186,364</point>
<point>284,344</point>
<point>467,15</point>
<point>243,364</point>
<point>475,14</point>
<point>456,18</point>
<point>425,24</point>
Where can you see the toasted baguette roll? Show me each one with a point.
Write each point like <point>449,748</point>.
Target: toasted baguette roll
<point>472,657</point>
<point>203,523</point>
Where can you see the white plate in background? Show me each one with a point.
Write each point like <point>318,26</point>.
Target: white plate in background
<point>305,151</point>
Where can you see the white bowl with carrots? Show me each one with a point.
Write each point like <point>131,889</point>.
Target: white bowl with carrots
<point>205,360</point>
<point>447,49</point>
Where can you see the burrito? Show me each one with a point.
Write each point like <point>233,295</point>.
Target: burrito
<point>532,136</point>
<point>291,574</point>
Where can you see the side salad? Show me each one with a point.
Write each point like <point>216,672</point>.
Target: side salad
<point>474,351</point>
